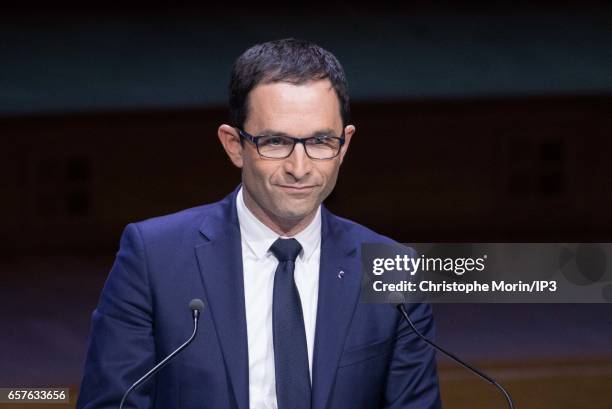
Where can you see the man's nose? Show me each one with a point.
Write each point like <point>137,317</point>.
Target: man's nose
<point>298,163</point>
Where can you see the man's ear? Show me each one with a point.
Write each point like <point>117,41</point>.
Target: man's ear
<point>349,131</point>
<point>230,140</point>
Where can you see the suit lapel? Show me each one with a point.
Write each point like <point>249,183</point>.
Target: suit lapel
<point>338,295</point>
<point>220,262</point>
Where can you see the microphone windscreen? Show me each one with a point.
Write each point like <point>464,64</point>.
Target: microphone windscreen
<point>196,304</point>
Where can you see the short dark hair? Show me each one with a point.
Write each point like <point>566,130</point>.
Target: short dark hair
<point>287,60</point>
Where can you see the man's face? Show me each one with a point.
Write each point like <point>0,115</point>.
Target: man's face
<point>289,190</point>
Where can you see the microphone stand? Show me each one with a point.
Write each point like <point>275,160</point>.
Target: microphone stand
<point>487,378</point>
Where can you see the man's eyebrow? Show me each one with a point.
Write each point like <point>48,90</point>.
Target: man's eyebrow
<point>318,133</point>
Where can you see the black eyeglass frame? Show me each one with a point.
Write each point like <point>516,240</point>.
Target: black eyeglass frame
<point>255,141</point>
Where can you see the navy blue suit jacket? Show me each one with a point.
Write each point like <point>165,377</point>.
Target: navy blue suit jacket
<point>365,356</point>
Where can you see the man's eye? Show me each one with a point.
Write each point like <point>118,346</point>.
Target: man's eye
<point>273,141</point>
<point>321,140</point>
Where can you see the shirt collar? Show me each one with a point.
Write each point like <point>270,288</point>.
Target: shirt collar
<point>259,237</point>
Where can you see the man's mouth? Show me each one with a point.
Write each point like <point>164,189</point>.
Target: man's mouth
<point>297,189</point>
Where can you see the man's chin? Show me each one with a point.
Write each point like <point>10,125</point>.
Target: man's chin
<point>295,216</point>
<point>292,214</point>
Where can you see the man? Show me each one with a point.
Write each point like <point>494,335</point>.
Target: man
<point>280,276</point>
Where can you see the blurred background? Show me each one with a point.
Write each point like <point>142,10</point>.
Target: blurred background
<point>475,122</point>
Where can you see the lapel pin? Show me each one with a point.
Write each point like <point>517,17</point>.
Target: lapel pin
<point>341,274</point>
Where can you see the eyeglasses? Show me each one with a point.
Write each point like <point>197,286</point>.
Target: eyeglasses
<point>318,147</point>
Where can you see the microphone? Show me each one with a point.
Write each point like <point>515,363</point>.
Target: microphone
<point>196,306</point>
<point>487,378</point>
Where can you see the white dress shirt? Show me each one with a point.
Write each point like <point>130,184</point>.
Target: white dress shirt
<point>259,266</point>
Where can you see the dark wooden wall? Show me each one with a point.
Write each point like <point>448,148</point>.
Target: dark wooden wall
<point>532,169</point>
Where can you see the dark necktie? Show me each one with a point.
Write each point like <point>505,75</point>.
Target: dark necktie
<point>290,351</point>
